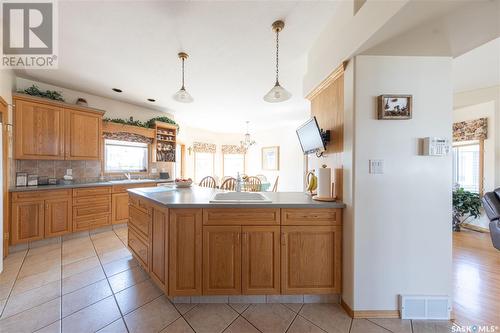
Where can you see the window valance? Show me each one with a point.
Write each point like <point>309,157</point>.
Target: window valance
<point>203,147</point>
<point>125,136</point>
<point>470,130</point>
<point>233,149</point>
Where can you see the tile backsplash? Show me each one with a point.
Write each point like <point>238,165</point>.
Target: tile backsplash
<point>57,169</point>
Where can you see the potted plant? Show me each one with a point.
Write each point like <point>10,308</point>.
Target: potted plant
<point>465,206</point>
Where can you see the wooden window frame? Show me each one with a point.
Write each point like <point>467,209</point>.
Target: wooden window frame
<point>480,143</point>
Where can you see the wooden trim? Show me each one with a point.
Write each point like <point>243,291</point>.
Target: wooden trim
<point>335,74</point>
<point>4,114</point>
<point>166,125</point>
<point>369,313</point>
<point>183,161</point>
<point>39,100</point>
<point>110,127</point>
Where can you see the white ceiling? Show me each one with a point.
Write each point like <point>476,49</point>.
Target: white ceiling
<point>133,45</point>
<point>478,68</point>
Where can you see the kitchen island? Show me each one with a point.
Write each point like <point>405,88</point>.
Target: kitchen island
<point>192,247</point>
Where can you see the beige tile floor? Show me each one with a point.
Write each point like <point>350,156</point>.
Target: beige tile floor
<point>91,283</point>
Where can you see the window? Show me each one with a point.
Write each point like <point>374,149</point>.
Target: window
<point>124,156</point>
<point>467,166</point>
<point>203,165</point>
<point>233,163</point>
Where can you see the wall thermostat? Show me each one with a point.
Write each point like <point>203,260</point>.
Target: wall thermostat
<point>434,146</point>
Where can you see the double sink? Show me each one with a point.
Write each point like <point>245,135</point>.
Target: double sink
<point>239,197</point>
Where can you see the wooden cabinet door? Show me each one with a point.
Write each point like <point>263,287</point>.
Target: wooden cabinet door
<point>27,221</point>
<point>260,260</point>
<point>159,246</point>
<point>185,248</point>
<point>119,209</point>
<point>83,135</point>
<point>221,260</point>
<point>311,259</point>
<point>38,131</point>
<point>58,217</point>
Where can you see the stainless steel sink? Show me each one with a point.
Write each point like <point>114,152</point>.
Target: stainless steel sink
<point>240,197</point>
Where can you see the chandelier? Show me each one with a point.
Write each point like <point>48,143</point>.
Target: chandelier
<point>247,142</point>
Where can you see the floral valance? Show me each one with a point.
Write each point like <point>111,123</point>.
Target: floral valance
<point>470,130</point>
<point>125,136</point>
<point>203,147</point>
<point>233,149</point>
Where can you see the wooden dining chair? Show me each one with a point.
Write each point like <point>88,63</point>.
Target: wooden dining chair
<point>208,181</point>
<point>275,186</point>
<point>224,179</point>
<point>229,184</point>
<point>253,184</point>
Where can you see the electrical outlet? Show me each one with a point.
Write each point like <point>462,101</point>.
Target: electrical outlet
<point>376,166</point>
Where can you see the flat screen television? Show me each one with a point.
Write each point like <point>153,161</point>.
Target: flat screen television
<point>310,137</point>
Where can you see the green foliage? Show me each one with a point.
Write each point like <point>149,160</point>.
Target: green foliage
<point>50,94</point>
<point>148,124</point>
<point>465,205</point>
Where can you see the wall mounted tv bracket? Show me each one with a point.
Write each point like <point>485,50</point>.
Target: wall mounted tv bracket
<point>325,137</point>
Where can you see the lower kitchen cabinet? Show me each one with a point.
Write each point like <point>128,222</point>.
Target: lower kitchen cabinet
<point>260,260</point>
<point>119,209</point>
<point>221,260</point>
<point>27,221</point>
<point>58,217</point>
<point>185,252</point>
<point>159,246</point>
<point>311,259</point>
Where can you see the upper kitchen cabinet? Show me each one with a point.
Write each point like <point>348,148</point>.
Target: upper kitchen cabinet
<point>38,131</point>
<point>83,136</point>
<point>52,130</point>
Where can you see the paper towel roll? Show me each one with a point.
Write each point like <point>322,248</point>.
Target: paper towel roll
<point>324,182</point>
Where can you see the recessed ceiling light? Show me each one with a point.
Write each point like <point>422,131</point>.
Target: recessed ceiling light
<point>151,100</point>
<point>117,90</point>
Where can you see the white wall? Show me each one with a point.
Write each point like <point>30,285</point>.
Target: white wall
<point>113,108</point>
<point>402,218</point>
<point>291,171</point>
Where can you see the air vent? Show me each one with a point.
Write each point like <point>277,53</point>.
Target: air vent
<point>425,307</point>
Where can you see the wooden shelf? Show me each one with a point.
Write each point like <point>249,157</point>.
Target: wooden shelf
<point>166,130</point>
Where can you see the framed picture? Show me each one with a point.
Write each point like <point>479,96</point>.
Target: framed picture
<point>32,180</point>
<point>21,178</point>
<point>394,106</point>
<point>271,158</point>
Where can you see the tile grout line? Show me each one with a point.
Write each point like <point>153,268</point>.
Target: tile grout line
<point>249,321</point>
<point>14,284</point>
<point>313,323</point>
<point>109,285</point>
<point>374,323</point>
<point>411,326</point>
<point>61,295</point>
<point>296,315</point>
<point>350,326</point>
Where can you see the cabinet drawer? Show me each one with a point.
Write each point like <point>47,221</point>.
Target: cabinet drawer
<point>90,222</point>
<point>139,247</point>
<point>92,201</point>
<point>139,220</point>
<point>82,211</point>
<point>139,204</point>
<point>124,188</point>
<point>236,216</point>
<point>33,195</point>
<point>91,191</point>
<point>311,216</point>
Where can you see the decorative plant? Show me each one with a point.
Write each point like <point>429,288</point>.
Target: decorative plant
<point>465,206</point>
<point>148,124</point>
<point>50,94</point>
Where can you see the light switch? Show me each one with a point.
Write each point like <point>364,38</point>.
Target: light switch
<point>376,166</point>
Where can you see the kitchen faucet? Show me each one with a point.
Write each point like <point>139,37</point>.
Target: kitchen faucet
<point>127,174</point>
<point>239,181</point>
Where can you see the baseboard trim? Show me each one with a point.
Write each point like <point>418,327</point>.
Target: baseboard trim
<point>369,313</point>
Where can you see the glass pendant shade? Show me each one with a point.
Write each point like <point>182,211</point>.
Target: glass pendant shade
<point>183,96</point>
<point>277,94</point>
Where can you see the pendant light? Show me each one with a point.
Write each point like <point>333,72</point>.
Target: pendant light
<point>277,93</point>
<point>182,95</point>
<point>247,142</point>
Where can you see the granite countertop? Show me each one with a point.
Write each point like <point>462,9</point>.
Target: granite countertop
<point>87,183</point>
<point>199,197</point>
